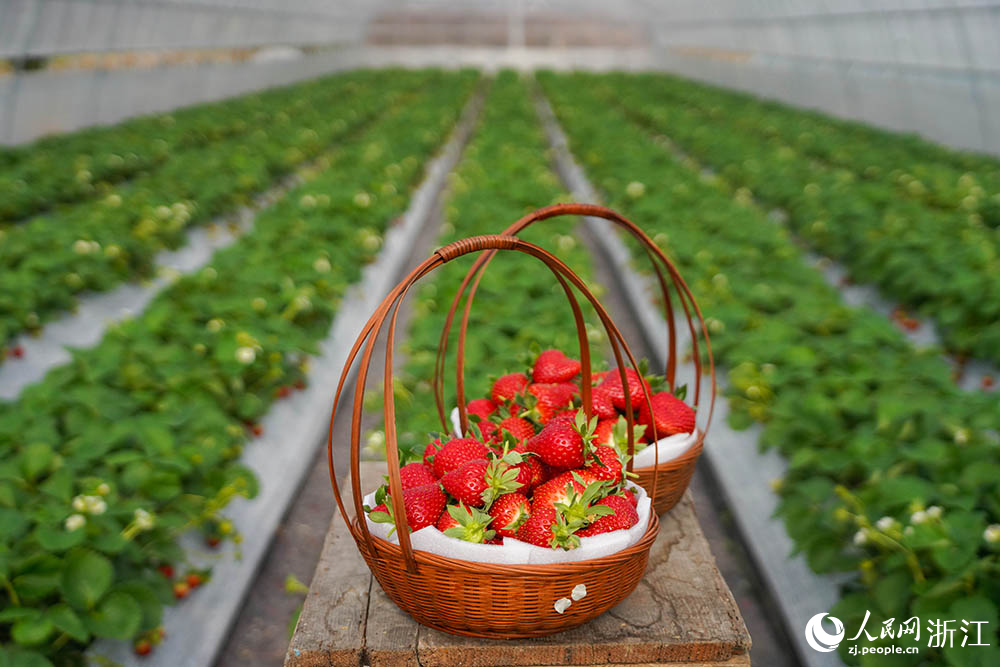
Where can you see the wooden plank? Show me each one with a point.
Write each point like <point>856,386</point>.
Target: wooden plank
<point>682,611</point>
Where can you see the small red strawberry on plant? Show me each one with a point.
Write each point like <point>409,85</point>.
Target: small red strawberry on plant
<point>167,571</point>
<point>508,387</point>
<point>622,517</point>
<point>284,391</point>
<point>470,524</point>
<point>181,590</point>
<point>456,452</point>
<point>143,647</point>
<point>416,474</point>
<point>17,351</point>
<point>554,366</point>
<point>509,512</point>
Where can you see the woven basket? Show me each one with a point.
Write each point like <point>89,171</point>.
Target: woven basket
<point>665,482</point>
<point>463,597</point>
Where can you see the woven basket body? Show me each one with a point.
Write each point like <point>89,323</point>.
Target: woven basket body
<point>472,598</point>
<point>666,482</point>
<point>510,601</point>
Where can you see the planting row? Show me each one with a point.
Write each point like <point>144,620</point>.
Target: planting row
<point>892,470</point>
<point>917,169</point>
<point>48,261</point>
<point>944,264</point>
<point>504,174</point>
<point>112,457</point>
<point>81,165</point>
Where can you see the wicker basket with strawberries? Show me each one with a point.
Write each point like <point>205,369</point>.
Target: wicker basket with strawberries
<point>516,534</point>
<point>666,420</point>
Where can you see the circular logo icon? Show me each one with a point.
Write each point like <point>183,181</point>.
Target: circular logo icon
<point>821,640</point>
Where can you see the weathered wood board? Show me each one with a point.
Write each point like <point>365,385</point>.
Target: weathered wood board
<point>682,612</point>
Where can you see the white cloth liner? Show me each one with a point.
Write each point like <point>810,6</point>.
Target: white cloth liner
<point>670,447</point>
<point>516,552</point>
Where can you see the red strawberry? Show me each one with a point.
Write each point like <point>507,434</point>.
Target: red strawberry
<point>467,482</point>
<point>608,466</point>
<point>143,647</point>
<point>551,399</point>
<point>300,384</point>
<point>423,505</point>
<point>430,450</point>
<point>257,430</point>
<point>670,415</point>
<point>488,430</point>
<point>559,445</point>
<point>624,517</point>
<point>613,385</point>
<point>17,351</point>
<point>284,391</point>
<point>554,366</point>
<point>483,407</point>
<point>604,433</point>
<point>416,474</point>
<point>603,405</point>
<point>167,571</point>
<point>181,590</point>
<point>554,491</point>
<point>508,387</point>
<point>194,580</point>
<point>456,452</point>
<point>597,378</point>
<point>988,382</point>
<point>530,474</point>
<point>520,428</point>
<point>630,497</point>
<point>466,523</point>
<point>496,540</point>
<point>544,528</point>
<point>509,511</point>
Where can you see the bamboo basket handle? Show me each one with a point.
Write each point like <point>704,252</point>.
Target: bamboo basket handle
<point>368,338</point>
<point>658,260</point>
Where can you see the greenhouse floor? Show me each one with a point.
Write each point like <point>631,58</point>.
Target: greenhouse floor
<point>262,629</point>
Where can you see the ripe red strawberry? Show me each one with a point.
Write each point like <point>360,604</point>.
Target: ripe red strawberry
<point>423,506</point>
<point>603,405</point>
<point>598,378</point>
<point>508,387</point>
<point>554,491</point>
<point>17,351</point>
<point>456,452</point>
<point>213,541</point>
<point>300,384</point>
<point>604,433</point>
<point>467,482</point>
<point>416,474</point>
<point>430,450</point>
<point>531,474</point>
<point>284,391</point>
<point>670,415</point>
<point>257,430</point>
<point>608,466</point>
<point>509,511</point>
<point>483,407</point>
<point>518,427</point>
<point>466,523</point>
<point>559,445</point>
<point>613,385</point>
<point>181,590</point>
<point>630,497</point>
<point>488,430</point>
<point>194,580</point>
<point>988,382</point>
<point>167,571</point>
<point>624,517</point>
<point>143,647</point>
<point>551,399</point>
<point>496,540</point>
<point>554,366</point>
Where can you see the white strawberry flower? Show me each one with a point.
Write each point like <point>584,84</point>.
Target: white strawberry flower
<point>635,189</point>
<point>79,504</point>
<point>934,512</point>
<point>103,489</point>
<point>992,533</point>
<point>246,355</point>
<point>95,505</point>
<point>321,265</point>
<point>162,212</point>
<point>885,524</point>
<point>144,520</point>
<point>81,247</point>
<point>75,522</point>
<point>215,324</point>
<point>918,517</point>
<point>961,436</point>
<point>861,537</point>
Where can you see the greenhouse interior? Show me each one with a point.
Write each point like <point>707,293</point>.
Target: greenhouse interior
<point>728,394</point>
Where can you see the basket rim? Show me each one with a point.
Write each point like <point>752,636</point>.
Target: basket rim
<point>386,550</point>
<point>692,454</point>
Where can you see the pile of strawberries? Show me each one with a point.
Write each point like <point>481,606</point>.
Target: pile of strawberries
<point>531,466</point>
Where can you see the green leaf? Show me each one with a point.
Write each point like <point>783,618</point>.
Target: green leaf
<point>117,617</point>
<point>149,602</point>
<point>66,620</point>
<point>86,577</point>
<point>57,538</point>
<point>19,658</point>
<point>32,631</point>
<point>36,458</point>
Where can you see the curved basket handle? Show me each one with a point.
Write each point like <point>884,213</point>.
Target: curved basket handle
<point>566,277</point>
<point>658,260</point>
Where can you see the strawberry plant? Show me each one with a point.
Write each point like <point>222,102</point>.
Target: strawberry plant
<point>47,262</point>
<point>112,457</point>
<point>892,474</point>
